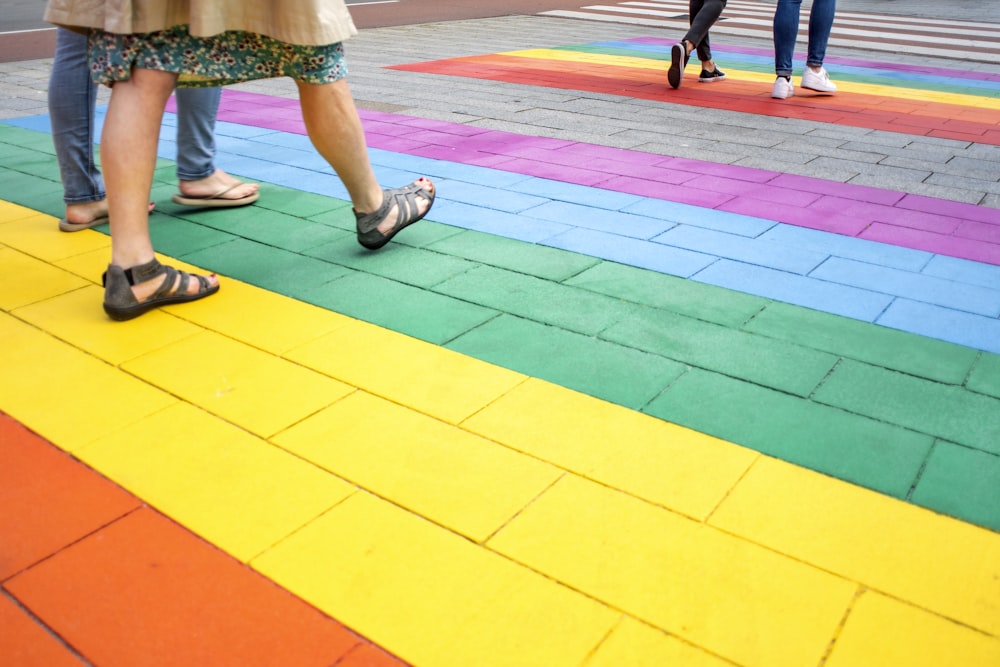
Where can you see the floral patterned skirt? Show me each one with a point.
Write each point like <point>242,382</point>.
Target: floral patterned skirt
<point>229,57</point>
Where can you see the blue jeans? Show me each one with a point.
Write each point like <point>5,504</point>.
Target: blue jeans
<point>72,98</point>
<point>786,30</point>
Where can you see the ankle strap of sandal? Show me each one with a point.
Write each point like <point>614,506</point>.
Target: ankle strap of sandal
<point>143,272</point>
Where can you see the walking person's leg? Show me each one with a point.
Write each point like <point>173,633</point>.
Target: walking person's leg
<point>135,281</point>
<point>708,17</point>
<point>200,183</point>
<point>815,76</point>
<point>335,130</point>
<point>785,31</point>
<point>702,14</point>
<point>196,112</point>
<point>72,98</point>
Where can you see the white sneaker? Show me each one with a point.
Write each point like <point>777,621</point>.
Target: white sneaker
<point>783,89</point>
<point>818,81</point>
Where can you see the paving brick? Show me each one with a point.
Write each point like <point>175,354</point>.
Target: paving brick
<point>913,286</point>
<point>956,477</point>
<point>883,631</point>
<point>667,464</point>
<point>414,373</point>
<point>35,357</point>
<point>429,316</point>
<point>848,247</point>
<point>879,346</point>
<point>27,642</point>
<point>237,382</point>
<point>43,513</point>
<point>176,237</point>
<point>398,262</point>
<point>799,290</point>
<point>535,260</point>
<point>985,376</point>
<point>297,204</point>
<point>767,361</point>
<point>560,305</point>
<point>598,368</point>
<point>685,297</point>
<point>501,200</point>
<point>975,331</point>
<point>847,446</point>
<point>921,558</point>
<point>946,411</point>
<point>258,264</point>
<point>576,194</point>
<point>680,575</point>
<point>633,252</point>
<point>496,222</point>
<point>601,220</point>
<point>635,643</point>
<point>403,458</point>
<point>177,586</point>
<point>394,577</point>
<point>701,217</point>
<point>738,248</point>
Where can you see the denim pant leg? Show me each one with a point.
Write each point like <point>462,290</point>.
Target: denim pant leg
<point>820,25</point>
<point>72,98</point>
<point>703,14</point>
<point>196,111</point>
<point>786,31</point>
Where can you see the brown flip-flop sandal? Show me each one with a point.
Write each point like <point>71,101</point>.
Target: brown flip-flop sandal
<point>67,226</point>
<point>216,200</point>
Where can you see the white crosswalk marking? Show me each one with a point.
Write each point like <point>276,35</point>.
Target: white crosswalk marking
<point>966,40</point>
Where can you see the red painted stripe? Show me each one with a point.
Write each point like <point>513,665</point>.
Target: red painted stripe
<point>84,564</point>
<point>924,118</point>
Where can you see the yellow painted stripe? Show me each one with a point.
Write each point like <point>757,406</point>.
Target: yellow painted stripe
<point>458,513</point>
<point>896,92</point>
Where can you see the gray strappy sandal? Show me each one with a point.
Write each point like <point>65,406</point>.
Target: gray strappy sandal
<point>119,302</point>
<point>407,212</point>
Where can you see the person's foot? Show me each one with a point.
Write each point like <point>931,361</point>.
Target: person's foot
<point>138,289</point>
<point>709,76</point>
<point>399,208</point>
<point>87,213</point>
<point>783,88</point>
<point>678,61</point>
<point>230,187</point>
<point>144,290</point>
<point>818,80</point>
<point>424,205</point>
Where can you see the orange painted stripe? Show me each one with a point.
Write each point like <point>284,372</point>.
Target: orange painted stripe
<point>86,565</point>
<point>876,112</point>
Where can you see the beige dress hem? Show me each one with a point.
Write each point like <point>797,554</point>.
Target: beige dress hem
<point>303,22</point>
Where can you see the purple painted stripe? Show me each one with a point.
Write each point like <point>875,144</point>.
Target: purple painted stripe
<point>834,207</point>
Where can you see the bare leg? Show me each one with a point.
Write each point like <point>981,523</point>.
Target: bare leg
<point>128,151</point>
<point>335,130</point>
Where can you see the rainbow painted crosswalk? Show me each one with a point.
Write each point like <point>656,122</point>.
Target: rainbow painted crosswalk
<point>604,407</point>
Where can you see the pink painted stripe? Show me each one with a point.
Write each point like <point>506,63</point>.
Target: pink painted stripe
<point>913,221</point>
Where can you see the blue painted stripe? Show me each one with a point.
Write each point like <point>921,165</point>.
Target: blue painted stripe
<point>907,289</point>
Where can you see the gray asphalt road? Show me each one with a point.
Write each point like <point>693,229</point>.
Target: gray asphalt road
<point>27,14</point>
